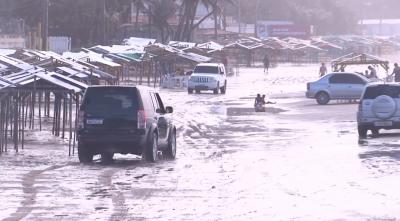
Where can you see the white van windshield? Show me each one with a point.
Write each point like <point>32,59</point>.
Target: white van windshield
<point>206,69</point>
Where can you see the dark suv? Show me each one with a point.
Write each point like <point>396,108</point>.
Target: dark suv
<point>126,120</point>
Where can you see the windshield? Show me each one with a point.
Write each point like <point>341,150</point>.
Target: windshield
<point>111,102</point>
<point>376,91</point>
<point>206,69</point>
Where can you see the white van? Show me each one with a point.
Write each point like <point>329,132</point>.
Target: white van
<point>208,76</point>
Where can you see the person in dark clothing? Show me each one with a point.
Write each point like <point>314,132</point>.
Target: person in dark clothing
<point>266,63</point>
<point>396,73</point>
<point>258,100</point>
<point>323,70</point>
<point>225,62</point>
<point>372,73</point>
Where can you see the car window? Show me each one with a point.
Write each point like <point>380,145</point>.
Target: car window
<point>111,102</point>
<point>346,79</point>
<point>206,69</point>
<point>353,79</point>
<point>160,103</point>
<point>147,103</point>
<point>338,79</point>
<point>154,101</point>
<point>376,91</point>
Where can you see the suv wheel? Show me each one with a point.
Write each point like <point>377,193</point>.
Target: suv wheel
<point>152,148</point>
<point>362,131</point>
<point>216,90</point>
<point>223,89</point>
<point>322,98</point>
<point>84,155</point>
<point>375,131</point>
<point>170,152</point>
<point>190,91</point>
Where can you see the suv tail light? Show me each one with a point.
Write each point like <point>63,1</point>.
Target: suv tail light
<point>308,86</point>
<point>141,121</point>
<point>81,116</point>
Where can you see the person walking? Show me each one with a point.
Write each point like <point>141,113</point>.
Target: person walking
<point>225,62</point>
<point>266,63</point>
<point>396,72</point>
<point>323,70</point>
<point>372,72</point>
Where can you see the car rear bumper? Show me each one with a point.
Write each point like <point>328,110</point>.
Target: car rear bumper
<point>394,125</point>
<point>309,94</point>
<point>112,142</point>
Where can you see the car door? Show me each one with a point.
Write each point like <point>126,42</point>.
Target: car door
<point>356,86</point>
<point>338,86</point>
<point>160,117</point>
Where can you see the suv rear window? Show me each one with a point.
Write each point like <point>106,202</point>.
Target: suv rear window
<point>206,69</point>
<point>111,102</point>
<point>376,91</point>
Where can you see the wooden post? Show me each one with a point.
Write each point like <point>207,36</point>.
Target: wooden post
<point>64,121</point>
<point>40,111</point>
<point>16,118</point>
<point>70,122</point>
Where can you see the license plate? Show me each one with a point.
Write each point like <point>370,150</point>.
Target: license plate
<point>94,121</point>
<point>383,123</point>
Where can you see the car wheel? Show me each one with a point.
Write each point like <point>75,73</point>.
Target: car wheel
<point>170,152</point>
<point>362,131</point>
<point>322,98</point>
<point>190,91</point>
<point>152,148</point>
<point>84,155</point>
<point>107,157</point>
<point>216,90</point>
<point>223,89</point>
<point>375,131</point>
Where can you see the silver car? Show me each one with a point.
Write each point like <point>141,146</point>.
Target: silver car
<point>337,86</point>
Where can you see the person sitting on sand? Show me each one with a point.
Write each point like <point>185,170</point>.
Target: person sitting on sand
<point>258,100</point>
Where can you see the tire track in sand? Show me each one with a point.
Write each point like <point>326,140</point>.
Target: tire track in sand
<point>120,210</point>
<point>30,192</point>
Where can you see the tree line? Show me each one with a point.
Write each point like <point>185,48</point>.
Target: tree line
<point>91,22</point>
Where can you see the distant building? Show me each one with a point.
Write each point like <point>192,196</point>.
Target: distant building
<point>379,27</point>
<point>12,33</point>
<point>282,29</point>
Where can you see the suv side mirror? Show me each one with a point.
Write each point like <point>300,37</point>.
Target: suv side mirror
<point>169,110</point>
<point>222,73</point>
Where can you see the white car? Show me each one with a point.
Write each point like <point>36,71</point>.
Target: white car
<point>379,108</point>
<point>337,86</point>
<point>208,76</point>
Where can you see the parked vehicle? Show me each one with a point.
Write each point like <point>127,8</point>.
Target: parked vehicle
<point>337,86</point>
<point>125,120</point>
<point>379,108</point>
<point>208,76</point>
